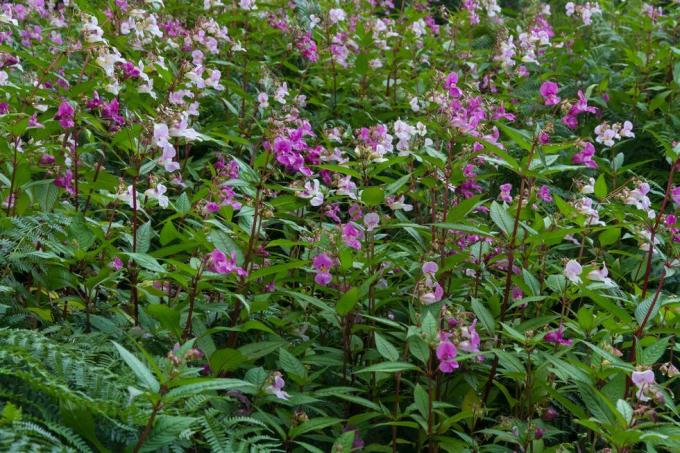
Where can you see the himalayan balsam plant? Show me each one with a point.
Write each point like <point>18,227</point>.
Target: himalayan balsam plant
<point>339,226</point>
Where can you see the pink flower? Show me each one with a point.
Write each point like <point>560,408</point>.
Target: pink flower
<point>65,114</point>
<point>371,220</point>
<point>351,236</point>
<point>675,194</point>
<point>446,353</point>
<point>549,92</point>
<point>451,85</point>
<point>471,338</point>
<point>116,264</point>
<point>430,268</point>
<point>544,194</point>
<point>556,337</point>
<point>276,387</point>
<point>572,270</point>
<point>585,156</point>
<point>322,263</point>
<point>643,380</point>
<point>505,193</point>
<point>223,264</point>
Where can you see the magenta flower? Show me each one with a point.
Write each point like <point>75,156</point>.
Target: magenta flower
<point>322,263</point>
<point>549,92</point>
<point>675,194</point>
<point>471,338</point>
<point>544,194</point>
<point>223,264</point>
<point>446,353</point>
<point>116,264</point>
<point>351,236</point>
<point>585,156</point>
<point>505,193</point>
<point>451,84</point>
<point>557,337</point>
<point>65,115</point>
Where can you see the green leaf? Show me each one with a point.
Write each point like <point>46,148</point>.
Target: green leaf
<point>226,359</point>
<point>347,301</point>
<point>626,411</point>
<point>141,371</point>
<point>652,353</point>
<point>421,399</point>
<point>387,367</point>
<point>202,385</point>
<point>372,196</point>
<point>290,364</point>
<point>521,138</point>
<point>484,315</point>
<point>182,204</point>
<point>601,187</point>
<point>146,261</point>
<point>168,317</point>
<point>315,424</point>
<point>385,348</point>
<point>609,236</point>
<point>502,218</point>
<point>144,233</point>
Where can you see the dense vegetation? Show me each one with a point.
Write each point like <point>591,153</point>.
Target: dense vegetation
<point>367,225</point>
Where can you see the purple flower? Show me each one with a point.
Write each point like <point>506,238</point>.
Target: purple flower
<point>116,264</point>
<point>643,380</point>
<point>446,353</point>
<point>585,156</point>
<point>371,220</point>
<point>556,337</point>
<point>675,194</point>
<point>430,268</point>
<point>451,85</point>
<point>223,264</point>
<point>549,92</point>
<point>471,338</point>
<point>505,193</point>
<point>322,263</point>
<point>65,114</point>
<point>276,387</point>
<point>544,194</point>
<point>351,236</point>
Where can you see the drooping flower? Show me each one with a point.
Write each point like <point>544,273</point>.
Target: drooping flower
<point>276,386</point>
<point>312,192</point>
<point>158,193</point>
<point>643,380</point>
<point>471,340</point>
<point>446,353</point>
<point>557,337</point>
<point>351,236</point>
<point>116,264</point>
<point>222,264</point>
<point>371,220</point>
<point>505,193</point>
<point>549,92</point>
<point>601,275</point>
<point>572,270</point>
<point>544,194</point>
<point>585,156</point>
<point>322,263</point>
<point>65,115</point>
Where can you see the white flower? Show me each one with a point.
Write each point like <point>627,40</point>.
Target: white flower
<point>336,15</point>
<point>414,104</point>
<point>312,191</point>
<point>281,93</point>
<point>4,77</point>
<point>572,270</point>
<point>601,275</point>
<point>158,194</point>
<point>247,4</point>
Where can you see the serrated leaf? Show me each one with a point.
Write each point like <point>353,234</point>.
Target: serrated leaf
<point>385,348</point>
<point>141,371</point>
